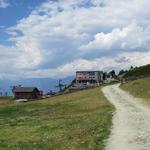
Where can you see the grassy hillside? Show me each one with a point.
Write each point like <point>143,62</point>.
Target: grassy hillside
<point>139,88</point>
<point>138,72</point>
<point>69,122</point>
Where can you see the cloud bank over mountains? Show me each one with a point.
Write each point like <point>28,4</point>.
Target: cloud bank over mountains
<point>59,37</point>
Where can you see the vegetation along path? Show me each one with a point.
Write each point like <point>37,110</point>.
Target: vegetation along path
<point>131,121</point>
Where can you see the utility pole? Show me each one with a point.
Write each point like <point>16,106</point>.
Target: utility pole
<point>60,85</point>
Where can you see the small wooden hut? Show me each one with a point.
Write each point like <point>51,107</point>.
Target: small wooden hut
<point>26,92</point>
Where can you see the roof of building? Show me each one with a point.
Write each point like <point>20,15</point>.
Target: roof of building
<point>88,71</point>
<point>24,89</point>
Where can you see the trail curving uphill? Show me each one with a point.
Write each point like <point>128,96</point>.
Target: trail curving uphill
<point>131,121</point>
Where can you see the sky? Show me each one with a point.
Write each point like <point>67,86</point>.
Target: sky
<point>55,38</point>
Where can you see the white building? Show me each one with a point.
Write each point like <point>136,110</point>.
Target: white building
<point>89,77</point>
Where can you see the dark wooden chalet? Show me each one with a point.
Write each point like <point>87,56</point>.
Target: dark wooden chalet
<point>26,92</point>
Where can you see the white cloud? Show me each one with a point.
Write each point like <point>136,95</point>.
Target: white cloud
<point>132,37</point>
<point>53,35</point>
<point>4,3</point>
<point>120,61</point>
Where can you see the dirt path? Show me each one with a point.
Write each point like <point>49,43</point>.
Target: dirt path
<point>131,121</point>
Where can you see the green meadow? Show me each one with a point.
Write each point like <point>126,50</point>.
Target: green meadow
<point>77,121</point>
<point>140,89</point>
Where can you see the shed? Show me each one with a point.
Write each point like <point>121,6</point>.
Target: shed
<point>26,92</point>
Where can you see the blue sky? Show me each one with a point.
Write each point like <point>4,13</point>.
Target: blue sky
<point>16,10</point>
<point>45,38</point>
<point>12,13</point>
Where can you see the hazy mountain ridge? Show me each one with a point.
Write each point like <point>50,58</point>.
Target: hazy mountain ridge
<point>44,84</point>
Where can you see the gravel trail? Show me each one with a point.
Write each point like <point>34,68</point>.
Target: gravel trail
<point>131,121</point>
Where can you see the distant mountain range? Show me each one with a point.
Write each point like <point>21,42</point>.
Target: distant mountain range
<point>44,84</point>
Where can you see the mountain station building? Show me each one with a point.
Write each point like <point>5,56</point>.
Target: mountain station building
<point>89,77</point>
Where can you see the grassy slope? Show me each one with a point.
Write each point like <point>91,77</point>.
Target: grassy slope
<point>139,72</point>
<point>75,121</point>
<point>139,88</point>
